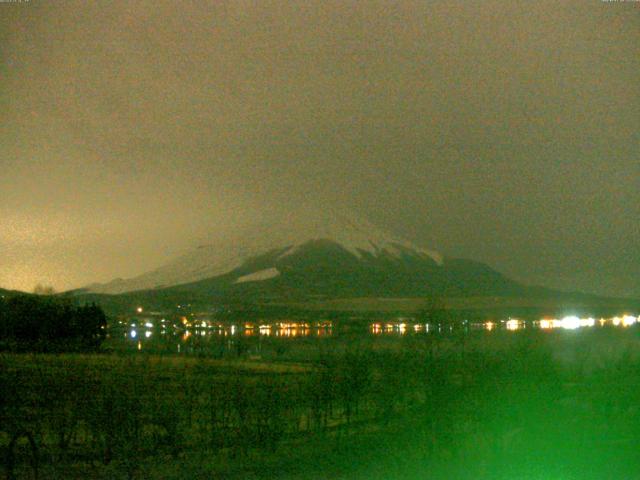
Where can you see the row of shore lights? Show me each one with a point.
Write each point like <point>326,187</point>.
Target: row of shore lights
<point>573,322</point>
<point>568,323</point>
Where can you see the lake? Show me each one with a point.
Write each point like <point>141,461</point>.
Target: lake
<point>158,334</point>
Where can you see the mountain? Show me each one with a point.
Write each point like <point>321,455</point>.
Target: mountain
<point>322,254</point>
<point>278,249</point>
<point>321,259</point>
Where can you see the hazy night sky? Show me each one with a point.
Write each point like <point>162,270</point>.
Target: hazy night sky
<point>506,132</point>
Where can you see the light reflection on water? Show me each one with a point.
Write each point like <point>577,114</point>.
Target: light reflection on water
<point>138,333</point>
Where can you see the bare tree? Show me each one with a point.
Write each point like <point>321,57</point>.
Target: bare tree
<point>41,289</point>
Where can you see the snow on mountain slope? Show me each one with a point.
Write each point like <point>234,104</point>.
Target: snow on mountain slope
<point>259,275</point>
<point>223,255</point>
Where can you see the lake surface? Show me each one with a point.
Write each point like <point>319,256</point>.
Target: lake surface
<point>157,334</point>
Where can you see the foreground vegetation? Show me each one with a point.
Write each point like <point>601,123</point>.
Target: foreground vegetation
<point>530,405</point>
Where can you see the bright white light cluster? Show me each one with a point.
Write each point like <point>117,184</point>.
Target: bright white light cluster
<point>568,323</point>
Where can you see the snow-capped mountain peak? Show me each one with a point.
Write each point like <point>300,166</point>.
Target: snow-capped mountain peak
<point>286,236</point>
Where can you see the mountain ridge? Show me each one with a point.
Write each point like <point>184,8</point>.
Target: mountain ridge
<point>357,236</point>
<point>316,261</point>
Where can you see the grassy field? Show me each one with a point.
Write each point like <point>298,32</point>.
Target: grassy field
<point>532,405</point>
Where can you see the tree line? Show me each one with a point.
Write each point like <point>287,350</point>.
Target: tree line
<point>46,323</point>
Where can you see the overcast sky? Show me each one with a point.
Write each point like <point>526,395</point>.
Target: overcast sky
<point>506,132</point>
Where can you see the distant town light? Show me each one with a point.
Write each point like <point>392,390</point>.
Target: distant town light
<point>513,324</point>
<point>628,320</point>
<point>570,323</point>
<point>587,322</point>
<point>265,330</point>
<point>546,324</point>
